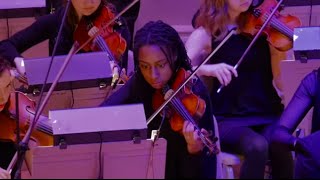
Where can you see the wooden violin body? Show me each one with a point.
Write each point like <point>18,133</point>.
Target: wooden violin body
<point>42,133</point>
<point>280,28</point>
<point>194,105</point>
<point>116,43</point>
<point>185,107</point>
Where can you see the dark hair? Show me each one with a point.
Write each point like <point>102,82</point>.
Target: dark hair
<point>4,64</point>
<point>167,38</point>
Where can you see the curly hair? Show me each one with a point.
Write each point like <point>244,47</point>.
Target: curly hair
<point>167,39</point>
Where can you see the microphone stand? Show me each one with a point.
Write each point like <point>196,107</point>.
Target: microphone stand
<point>17,118</point>
<point>254,39</point>
<point>23,145</point>
<point>190,76</point>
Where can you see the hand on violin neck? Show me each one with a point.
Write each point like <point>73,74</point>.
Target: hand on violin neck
<point>115,72</point>
<point>123,76</point>
<point>222,71</point>
<point>191,135</point>
<point>93,31</point>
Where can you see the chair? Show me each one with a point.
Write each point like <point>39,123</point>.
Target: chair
<point>225,161</point>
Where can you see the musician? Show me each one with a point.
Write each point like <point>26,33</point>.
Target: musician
<point>47,27</point>
<point>307,163</point>
<point>249,103</point>
<point>9,105</point>
<point>159,53</point>
<point>7,148</point>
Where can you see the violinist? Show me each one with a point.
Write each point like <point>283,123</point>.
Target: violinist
<point>248,104</point>
<point>47,27</point>
<point>7,148</point>
<point>159,53</point>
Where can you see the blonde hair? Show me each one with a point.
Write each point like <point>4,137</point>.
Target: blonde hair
<point>214,17</point>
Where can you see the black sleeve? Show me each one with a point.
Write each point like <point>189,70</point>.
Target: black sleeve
<point>125,95</point>
<point>122,95</point>
<point>37,32</point>
<point>298,107</point>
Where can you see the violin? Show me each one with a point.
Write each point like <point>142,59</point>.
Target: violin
<point>185,106</point>
<point>280,29</point>
<point>42,134</point>
<point>108,38</point>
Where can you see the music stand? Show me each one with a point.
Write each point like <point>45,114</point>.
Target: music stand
<point>83,71</point>
<point>123,159</point>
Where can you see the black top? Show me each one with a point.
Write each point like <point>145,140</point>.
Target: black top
<point>179,163</point>
<point>45,27</point>
<point>252,92</point>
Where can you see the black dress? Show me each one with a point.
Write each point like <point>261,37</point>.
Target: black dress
<point>179,163</point>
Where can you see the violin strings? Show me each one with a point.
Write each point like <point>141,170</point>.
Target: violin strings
<point>40,125</point>
<point>276,23</point>
<point>287,31</point>
<point>282,28</point>
<point>104,47</point>
<point>43,127</point>
<point>179,107</point>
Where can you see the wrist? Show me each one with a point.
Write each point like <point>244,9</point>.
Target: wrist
<point>199,72</point>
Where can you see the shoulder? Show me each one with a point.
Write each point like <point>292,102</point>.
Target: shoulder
<point>201,33</point>
<point>310,82</point>
<point>198,43</point>
<point>50,19</point>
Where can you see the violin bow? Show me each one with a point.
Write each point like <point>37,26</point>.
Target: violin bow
<point>254,39</point>
<point>190,76</point>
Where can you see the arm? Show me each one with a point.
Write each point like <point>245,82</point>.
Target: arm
<point>37,32</point>
<point>119,97</point>
<point>198,47</point>
<point>276,57</point>
<point>205,123</point>
<point>125,94</point>
<point>300,104</point>
<point>198,153</point>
